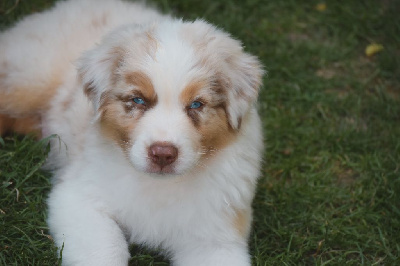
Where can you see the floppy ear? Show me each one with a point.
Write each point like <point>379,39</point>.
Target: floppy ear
<point>238,73</point>
<point>97,69</point>
<point>241,80</point>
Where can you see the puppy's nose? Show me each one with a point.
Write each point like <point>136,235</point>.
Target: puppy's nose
<point>163,153</point>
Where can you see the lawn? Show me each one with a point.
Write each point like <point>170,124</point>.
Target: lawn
<point>329,193</point>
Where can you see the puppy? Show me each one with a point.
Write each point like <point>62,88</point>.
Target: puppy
<point>159,140</point>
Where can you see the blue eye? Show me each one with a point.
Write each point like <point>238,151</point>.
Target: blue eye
<point>195,105</point>
<point>139,100</point>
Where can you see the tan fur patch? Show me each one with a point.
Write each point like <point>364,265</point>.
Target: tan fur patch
<point>19,101</point>
<point>119,114</point>
<point>116,124</point>
<point>191,91</point>
<point>143,83</point>
<point>212,119</point>
<point>24,100</point>
<point>6,124</point>
<point>22,105</point>
<point>22,125</point>
<point>242,222</point>
<point>216,132</point>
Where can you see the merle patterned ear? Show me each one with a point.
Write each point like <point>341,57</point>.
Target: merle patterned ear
<point>96,70</point>
<point>242,80</point>
<point>237,72</point>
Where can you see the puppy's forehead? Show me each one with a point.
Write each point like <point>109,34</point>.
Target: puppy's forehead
<point>174,66</point>
<point>173,63</point>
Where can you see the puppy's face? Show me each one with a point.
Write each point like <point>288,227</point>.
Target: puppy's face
<point>172,95</point>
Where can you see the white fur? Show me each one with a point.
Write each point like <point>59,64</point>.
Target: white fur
<point>104,199</point>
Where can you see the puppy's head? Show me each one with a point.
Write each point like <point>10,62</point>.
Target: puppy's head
<point>171,95</point>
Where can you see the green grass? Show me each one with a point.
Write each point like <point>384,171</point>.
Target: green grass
<point>330,189</point>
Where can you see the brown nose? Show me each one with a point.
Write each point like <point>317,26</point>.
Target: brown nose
<point>163,153</point>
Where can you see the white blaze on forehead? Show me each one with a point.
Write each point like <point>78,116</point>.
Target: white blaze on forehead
<point>171,70</point>
<point>171,66</point>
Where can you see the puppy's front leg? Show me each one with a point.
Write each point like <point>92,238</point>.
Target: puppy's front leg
<point>212,254</point>
<point>81,226</point>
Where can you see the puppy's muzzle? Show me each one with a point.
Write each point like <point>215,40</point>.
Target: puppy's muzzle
<point>162,154</point>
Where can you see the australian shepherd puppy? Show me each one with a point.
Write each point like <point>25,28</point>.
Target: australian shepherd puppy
<point>159,140</point>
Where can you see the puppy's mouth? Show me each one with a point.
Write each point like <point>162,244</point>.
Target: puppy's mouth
<point>166,170</point>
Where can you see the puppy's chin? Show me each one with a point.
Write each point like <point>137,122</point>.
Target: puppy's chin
<point>155,171</point>
<point>163,174</point>
<point>162,171</point>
